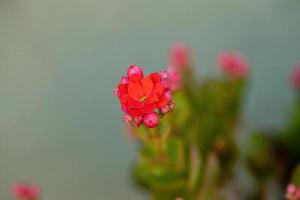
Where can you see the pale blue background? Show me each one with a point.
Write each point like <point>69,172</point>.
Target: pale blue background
<point>60,125</point>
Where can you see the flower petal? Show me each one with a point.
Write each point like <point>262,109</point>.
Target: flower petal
<point>134,112</point>
<point>135,90</point>
<point>162,102</point>
<point>135,78</point>
<point>155,77</point>
<point>135,104</point>
<point>158,89</point>
<point>122,89</point>
<point>147,86</point>
<point>148,108</point>
<point>152,98</point>
<point>124,99</point>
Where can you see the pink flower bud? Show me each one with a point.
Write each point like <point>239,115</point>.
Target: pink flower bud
<point>151,120</point>
<point>295,77</point>
<point>138,120</point>
<point>233,63</point>
<point>135,70</point>
<point>116,91</point>
<point>171,106</point>
<point>165,109</point>
<point>174,78</point>
<point>124,80</point>
<point>127,119</point>
<point>164,75</point>
<point>166,84</point>
<point>168,94</point>
<point>179,56</point>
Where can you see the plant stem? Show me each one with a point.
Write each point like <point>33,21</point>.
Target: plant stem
<point>157,142</point>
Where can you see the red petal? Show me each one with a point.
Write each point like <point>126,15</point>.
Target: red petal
<point>155,77</point>
<point>135,78</point>
<point>124,107</point>
<point>158,89</point>
<point>134,112</point>
<point>162,102</point>
<point>135,104</point>
<point>153,98</point>
<point>124,99</point>
<point>122,89</point>
<point>147,86</point>
<point>148,108</point>
<point>135,90</point>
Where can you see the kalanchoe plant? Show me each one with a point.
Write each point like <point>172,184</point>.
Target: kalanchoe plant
<point>190,152</point>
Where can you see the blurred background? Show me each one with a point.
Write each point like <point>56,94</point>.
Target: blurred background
<point>60,124</point>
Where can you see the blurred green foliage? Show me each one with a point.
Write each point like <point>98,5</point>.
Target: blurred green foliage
<point>192,152</point>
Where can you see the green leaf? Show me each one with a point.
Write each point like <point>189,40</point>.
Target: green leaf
<point>160,178</point>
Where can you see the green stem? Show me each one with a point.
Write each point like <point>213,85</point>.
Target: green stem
<point>157,141</point>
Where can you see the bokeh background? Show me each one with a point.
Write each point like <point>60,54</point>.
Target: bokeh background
<point>61,126</point>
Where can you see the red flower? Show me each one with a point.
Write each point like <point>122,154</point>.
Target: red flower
<point>140,95</point>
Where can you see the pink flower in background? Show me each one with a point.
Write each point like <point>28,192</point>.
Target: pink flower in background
<point>26,192</point>
<point>234,64</point>
<point>179,56</point>
<point>295,77</point>
<point>174,78</point>
<point>179,61</point>
<point>171,78</point>
<point>141,97</point>
<point>292,192</point>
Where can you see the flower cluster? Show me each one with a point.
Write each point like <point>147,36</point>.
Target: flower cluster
<point>295,77</point>
<point>292,192</point>
<point>143,98</point>
<point>26,192</point>
<point>234,64</point>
